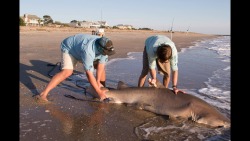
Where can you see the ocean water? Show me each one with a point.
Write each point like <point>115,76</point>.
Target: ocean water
<point>204,71</point>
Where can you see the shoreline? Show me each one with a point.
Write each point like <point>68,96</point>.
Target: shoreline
<point>38,48</point>
<point>181,39</point>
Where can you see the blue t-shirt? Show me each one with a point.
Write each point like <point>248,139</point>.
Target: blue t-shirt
<point>152,43</point>
<point>84,48</point>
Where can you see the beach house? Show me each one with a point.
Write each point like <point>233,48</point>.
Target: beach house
<point>32,20</point>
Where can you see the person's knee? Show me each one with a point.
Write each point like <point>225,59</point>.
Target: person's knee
<point>166,76</point>
<point>103,83</point>
<point>95,63</point>
<point>66,72</point>
<point>144,72</point>
<point>142,76</point>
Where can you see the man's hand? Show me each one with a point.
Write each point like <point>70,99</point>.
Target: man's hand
<point>102,94</point>
<point>152,82</point>
<point>177,90</point>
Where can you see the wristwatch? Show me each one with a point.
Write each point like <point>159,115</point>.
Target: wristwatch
<point>174,86</point>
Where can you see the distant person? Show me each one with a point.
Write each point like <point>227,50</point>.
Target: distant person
<point>100,32</point>
<point>92,51</point>
<point>160,52</point>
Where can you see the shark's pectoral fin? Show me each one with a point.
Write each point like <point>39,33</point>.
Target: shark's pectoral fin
<point>159,84</point>
<point>140,106</point>
<point>150,108</point>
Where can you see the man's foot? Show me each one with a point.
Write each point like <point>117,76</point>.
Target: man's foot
<point>41,99</point>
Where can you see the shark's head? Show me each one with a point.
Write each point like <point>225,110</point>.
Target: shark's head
<point>220,121</point>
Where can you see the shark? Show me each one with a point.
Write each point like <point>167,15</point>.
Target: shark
<point>164,101</point>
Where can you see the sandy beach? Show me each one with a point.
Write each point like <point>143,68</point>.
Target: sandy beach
<point>40,46</point>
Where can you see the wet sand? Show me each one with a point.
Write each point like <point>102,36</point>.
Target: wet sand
<point>69,119</point>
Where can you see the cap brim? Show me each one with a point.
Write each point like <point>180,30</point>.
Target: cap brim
<point>109,52</point>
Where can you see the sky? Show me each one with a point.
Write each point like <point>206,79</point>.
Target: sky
<point>200,16</point>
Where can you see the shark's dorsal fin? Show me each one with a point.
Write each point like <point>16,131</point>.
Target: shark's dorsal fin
<point>121,85</point>
<point>159,84</point>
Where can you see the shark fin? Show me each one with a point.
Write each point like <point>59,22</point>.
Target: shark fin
<point>140,106</point>
<point>121,85</point>
<point>159,84</point>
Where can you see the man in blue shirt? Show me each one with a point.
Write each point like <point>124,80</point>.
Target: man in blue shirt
<point>159,51</point>
<point>92,51</point>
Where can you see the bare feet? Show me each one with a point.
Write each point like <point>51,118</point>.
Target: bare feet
<point>41,99</point>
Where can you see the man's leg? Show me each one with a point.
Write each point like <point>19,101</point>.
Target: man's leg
<point>103,75</point>
<point>56,79</point>
<point>68,62</point>
<point>145,69</point>
<point>103,78</point>
<point>166,80</point>
<point>141,80</point>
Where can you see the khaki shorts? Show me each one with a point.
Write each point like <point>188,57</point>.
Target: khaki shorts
<point>163,68</point>
<point>68,61</point>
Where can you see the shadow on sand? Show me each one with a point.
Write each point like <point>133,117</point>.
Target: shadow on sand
<point>44,69</point>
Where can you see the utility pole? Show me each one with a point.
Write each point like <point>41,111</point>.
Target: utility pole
<point>172,28</point>
<point>101,14</point>
<point>187,30</point>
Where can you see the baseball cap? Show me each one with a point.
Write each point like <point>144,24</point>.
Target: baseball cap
<point>106,45</point>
